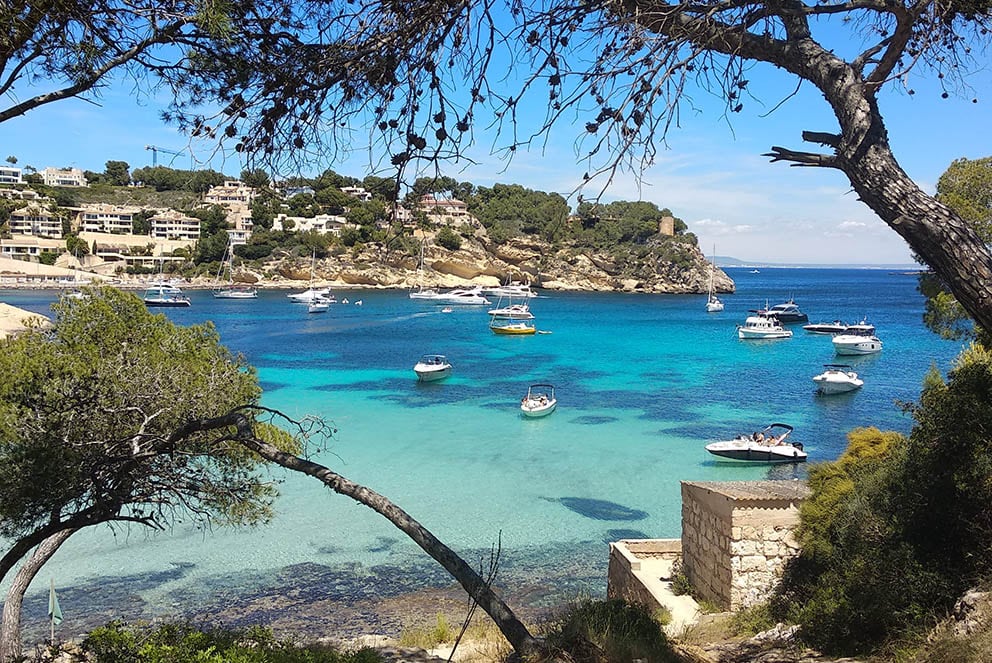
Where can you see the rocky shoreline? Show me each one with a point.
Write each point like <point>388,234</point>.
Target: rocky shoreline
<point>674,268</point>
<point>670,265</point>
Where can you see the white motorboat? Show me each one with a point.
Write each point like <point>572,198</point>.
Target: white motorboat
<point>514,289</point>
<point>769,445</point>
<point>463,296</point>
<point>788,312</point>
<point>165,296</point>
<point>713,303</point>
<point>837,379</point>
<point>309,295</point>
<point>431,368</point>
<point>762,325</point>
<point>856,344</point>
<point>513,311</point>
<point>540,401</point>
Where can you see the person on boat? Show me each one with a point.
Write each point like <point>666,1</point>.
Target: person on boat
<point>759,437</point>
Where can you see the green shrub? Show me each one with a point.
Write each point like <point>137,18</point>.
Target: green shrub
<point>898,528</point>
<point>448,239</point>
<point>183,643</point>
<point>753,620</point>
<point>610,632</point>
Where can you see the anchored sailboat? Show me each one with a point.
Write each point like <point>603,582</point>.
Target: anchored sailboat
<point>713,303</point>
<point>230,289</point>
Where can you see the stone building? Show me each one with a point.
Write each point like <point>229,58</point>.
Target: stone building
<point>736,538</point>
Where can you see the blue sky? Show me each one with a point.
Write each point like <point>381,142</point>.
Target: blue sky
<point>711,175</point>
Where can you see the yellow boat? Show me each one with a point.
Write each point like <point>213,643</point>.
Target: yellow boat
<point>514,329</point>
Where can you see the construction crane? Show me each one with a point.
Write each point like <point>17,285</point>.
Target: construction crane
<point>155,150</point>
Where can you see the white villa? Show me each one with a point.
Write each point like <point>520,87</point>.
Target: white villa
<point>229,193</point>
<point>174,225</point>
<point>63,177</point>
<point>33,220</point>
<point>10,175</point>
<point>322,223</point>
<point>103,218</point>
<point>445,211</point>
<point>29,248</point>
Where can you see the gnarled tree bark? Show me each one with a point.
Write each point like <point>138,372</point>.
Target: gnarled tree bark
<point>10,628</point>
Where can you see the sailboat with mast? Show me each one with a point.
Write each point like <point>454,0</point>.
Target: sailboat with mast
<point>230,289</point>
<point>311,295</point>
<point>713,303</point>
<point>421,292</point>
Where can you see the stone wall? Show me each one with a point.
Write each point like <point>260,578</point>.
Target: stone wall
<point>637,565</point>
<point>737,536</point>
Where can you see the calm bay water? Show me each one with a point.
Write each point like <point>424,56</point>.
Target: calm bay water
<point>643,382</point>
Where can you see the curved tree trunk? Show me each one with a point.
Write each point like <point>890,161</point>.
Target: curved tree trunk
<point>511,627</point>
<point>933,231</point>
<point>936,234</point>
<point>10,628</point>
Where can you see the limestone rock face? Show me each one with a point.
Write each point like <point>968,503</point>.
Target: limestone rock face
<point>665,267</point>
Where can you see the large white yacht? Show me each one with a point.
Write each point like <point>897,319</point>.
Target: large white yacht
<point>463,296</point>
<point>513,289</point>
<point>856,344</point>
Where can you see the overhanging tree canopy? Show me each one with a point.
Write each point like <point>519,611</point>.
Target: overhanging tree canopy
<point>94,427</point>
<point>427,76</point>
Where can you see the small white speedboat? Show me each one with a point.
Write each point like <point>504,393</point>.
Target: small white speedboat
<point>768,445</point>
<point>837,379</point>
<point>540,401</point>
<point>762,325</point>
<point>513,311</point>
<point>431,368</point>
<point>857,344</point>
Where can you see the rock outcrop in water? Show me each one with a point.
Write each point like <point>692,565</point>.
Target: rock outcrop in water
<point>669,265</point>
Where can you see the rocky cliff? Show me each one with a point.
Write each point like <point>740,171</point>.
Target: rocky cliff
<point>667,266</point>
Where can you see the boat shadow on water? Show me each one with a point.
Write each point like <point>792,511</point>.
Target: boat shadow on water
<point>598,509</point>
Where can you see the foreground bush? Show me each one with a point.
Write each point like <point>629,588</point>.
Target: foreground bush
<point>184,643</point>
<point>610,632</point>
<point>898,528</point>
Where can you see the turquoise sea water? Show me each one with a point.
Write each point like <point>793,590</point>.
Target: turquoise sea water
<point>643,382</point>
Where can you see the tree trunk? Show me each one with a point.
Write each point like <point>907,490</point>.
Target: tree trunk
<point>10,628</point>
<point>512,628</point>
<point>940,237</point>
<point>936,234</point>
